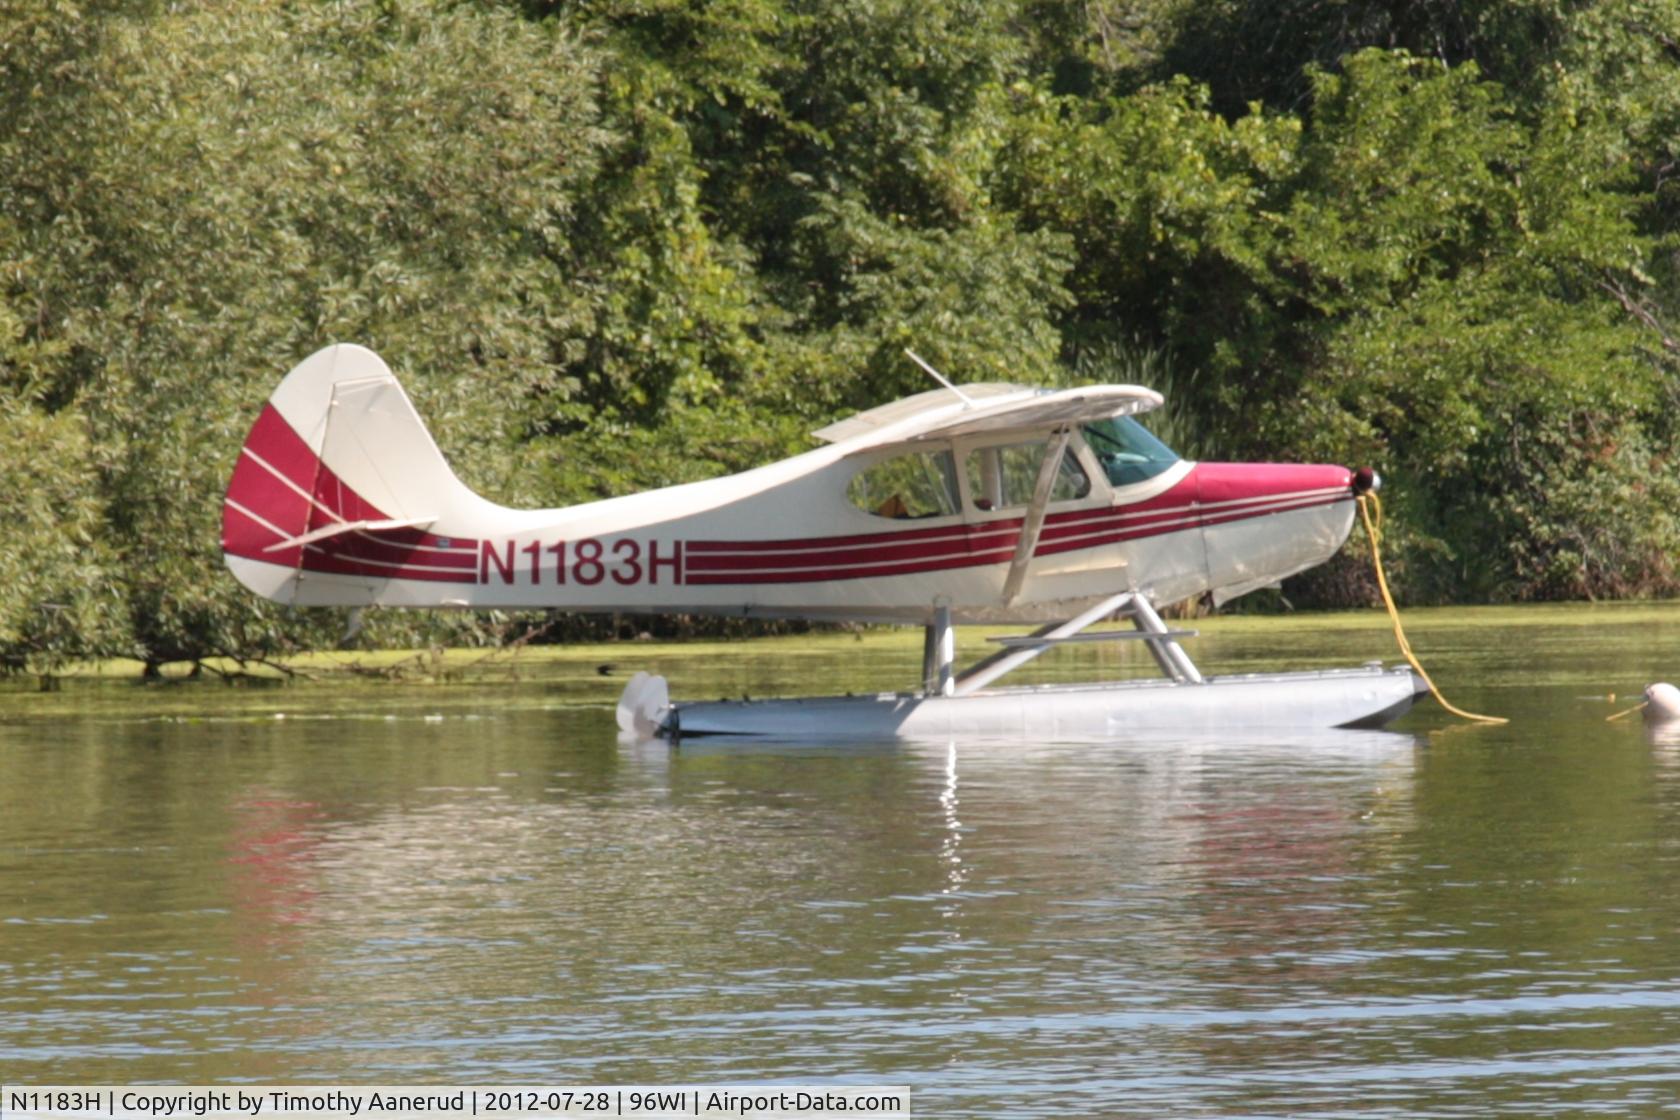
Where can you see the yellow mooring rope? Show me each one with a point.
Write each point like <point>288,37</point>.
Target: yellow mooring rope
<point>1373,530</point>
<point>1641,706</point>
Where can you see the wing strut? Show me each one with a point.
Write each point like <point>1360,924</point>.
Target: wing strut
<point>1033,525</point>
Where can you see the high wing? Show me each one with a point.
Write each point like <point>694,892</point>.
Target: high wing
<point>984,410</point>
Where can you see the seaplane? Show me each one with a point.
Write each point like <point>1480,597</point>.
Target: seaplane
<point>990,504</point>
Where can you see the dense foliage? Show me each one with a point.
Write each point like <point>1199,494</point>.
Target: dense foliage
<point>612,244</point>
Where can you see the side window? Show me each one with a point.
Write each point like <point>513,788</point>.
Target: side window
<point>921,484</point>
<point>1000,477</point>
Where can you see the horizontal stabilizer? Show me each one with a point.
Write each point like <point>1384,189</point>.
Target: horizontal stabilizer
<point>340,527</point>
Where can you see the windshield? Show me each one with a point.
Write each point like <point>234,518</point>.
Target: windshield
<point>1126,450</point>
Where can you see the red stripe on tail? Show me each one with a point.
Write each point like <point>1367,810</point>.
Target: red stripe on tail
<point>280,490</point>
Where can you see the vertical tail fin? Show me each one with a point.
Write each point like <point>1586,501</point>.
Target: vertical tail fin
<point>339,478</point>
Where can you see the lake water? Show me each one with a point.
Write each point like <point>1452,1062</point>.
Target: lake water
<point>453,883</point>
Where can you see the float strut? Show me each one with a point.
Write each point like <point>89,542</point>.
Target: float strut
<point>939,654</point>
<point>1000,663</point>
<point>1168,653</point>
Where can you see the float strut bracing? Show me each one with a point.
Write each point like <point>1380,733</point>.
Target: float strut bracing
<point>1175,664</point>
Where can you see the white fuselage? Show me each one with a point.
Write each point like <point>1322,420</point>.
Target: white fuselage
<point>341,499</point>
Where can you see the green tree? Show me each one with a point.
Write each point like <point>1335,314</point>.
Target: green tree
<point>1461,257</point>
<point>1416,275</point>
<point>613,244</point>
<point>210,193</point>
<point>61,600</point>
<point>798,192</point>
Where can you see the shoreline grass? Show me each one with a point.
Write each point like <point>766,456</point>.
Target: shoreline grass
<point>460,664</point>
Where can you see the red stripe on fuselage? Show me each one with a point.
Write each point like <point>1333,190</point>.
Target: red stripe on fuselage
<point>381,550</point>
<point>855,571</point>
<point>968,541</point>
<point>321,561</point>
<point>798,544</point>
<point>820,572</point>
<point>1211,494</point>
<point>1160,528</point>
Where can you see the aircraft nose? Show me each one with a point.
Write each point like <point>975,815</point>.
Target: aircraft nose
<point>1262,522</point>
<point>1366,481</point>
<point>1239,485</point>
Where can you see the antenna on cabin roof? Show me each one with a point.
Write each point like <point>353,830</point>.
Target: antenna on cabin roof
<point>968,401</point>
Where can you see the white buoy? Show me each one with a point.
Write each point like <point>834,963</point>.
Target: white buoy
<point>1662,703</point>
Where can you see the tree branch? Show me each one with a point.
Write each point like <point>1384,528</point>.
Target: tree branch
<point>1641,312</point>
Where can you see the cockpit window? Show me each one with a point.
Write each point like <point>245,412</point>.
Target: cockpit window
<point>1126,450</point>
<point>1000,477</point>
<point>921,484</point>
